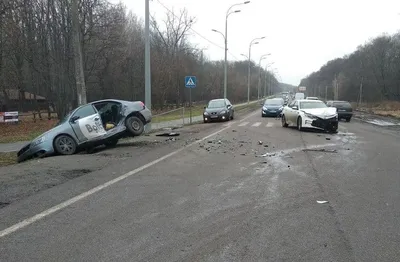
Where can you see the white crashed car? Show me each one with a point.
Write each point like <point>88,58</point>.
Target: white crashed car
<point>310,114</point>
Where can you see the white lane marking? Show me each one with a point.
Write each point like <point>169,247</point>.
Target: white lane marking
<point>26,222</point>
<point>244,123</point>
<point>270,124</point>
<point>256,124</point>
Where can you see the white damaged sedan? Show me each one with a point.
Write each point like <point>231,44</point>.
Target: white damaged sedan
<point>310,114</point>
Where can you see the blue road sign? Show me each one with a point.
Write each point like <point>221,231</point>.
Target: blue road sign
<point>190,81</point>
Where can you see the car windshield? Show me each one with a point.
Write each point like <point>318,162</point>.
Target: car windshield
<point>310,105</point>
<point>216,104</point>
<point>273,102</point>
<point>65,118</point>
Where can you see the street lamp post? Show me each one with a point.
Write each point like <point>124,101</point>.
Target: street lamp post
<point>147,70</point>
<point>266,80</point>
<point>225,36</point>
<point>253,42</point>
<point>259,75</point>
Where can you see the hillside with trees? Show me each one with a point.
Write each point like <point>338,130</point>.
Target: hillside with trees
<point>373,71</point>
<point>37,57</point>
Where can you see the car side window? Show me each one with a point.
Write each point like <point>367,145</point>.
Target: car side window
<point>85,111</point>
<point>291,104</point>
<point>296,103</point>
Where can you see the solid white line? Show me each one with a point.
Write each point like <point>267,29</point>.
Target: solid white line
<point>256,124</point>
<point>35,218</point>
<point>270,124</point>
<point>244,123</point>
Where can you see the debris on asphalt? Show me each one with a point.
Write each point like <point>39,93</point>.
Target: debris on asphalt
<point>233,130</point>
<point>219,142</point>
<point>210,141</point>
<point>327,138</point>
<point>243,154</point>
<point>321,150</point>
<point>171,139</point>
<point>168,134</point>
<point>268,154</point>
<point>265,145</point>
<point>322,201</point>
<point>260,142</point>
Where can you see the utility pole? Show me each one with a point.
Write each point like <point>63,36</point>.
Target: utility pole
<point>361,90</point>
<point>147,70</point>
<point>326,93</point>
<point>78,61</point>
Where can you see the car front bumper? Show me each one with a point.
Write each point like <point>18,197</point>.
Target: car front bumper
<point>271,112</point>
<point>222,117</point>
<point>29,151</point>
<point>345,114</point>
<point>330,124</point>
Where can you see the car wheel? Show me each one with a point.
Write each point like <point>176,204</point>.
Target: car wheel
<point>299,124</point>
<point>283,119</point>
<point>65,145</point>
<point>111,143</point>
<point>232,115</point>
<point>135,125</point>
<point>348,119</point>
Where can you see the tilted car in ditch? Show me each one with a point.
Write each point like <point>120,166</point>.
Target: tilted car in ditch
<point>97,123</point>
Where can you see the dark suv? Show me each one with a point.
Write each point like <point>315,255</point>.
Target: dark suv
<point>344,109</point>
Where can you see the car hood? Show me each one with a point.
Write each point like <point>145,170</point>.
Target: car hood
<point>321,112</point>
<point>214,110</point>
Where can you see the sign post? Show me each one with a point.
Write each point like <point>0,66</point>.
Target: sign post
<point>190,82</point>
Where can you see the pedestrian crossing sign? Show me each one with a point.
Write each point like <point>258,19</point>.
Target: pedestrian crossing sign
<point>190,81</point>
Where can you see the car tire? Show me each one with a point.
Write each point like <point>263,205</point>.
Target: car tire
<point>299,124</point>
<point>135,125</point>
<point>232,115</point>
<point>65,145</point>
<point>111,143</point>
<point>283,120</point>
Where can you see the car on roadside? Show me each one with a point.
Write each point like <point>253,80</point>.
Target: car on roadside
<point>97,123</point>
<point>310,114</point>
<point>344,109</point>
<point>218,110</point>
<point>272,107</point>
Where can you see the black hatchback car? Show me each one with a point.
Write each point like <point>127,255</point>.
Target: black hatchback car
<point>344,109</point>
<point>218,110</point>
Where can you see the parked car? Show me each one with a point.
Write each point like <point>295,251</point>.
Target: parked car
<point>312,98</point>
<point>344,109</point>
<point>310,114</point>
<point>93,124</point>
<point>218,110</point>
<point>272,107</point>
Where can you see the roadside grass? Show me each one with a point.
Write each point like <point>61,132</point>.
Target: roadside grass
<point>385,108</point>
<point>26,129</point>
<point>177,114</point>
<point>8,158</point>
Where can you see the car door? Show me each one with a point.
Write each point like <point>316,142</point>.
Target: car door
<point>87,124</point>
<point>294,112</point>
<point>229,107</point>
<point>288,111</point>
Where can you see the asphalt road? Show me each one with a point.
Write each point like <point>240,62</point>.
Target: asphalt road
<point>243,190</point>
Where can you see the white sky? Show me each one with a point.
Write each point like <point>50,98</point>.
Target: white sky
<point>301,35</point>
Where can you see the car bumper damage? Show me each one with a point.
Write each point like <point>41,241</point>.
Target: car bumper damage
<point>329,124</point>
<point>30,151</point>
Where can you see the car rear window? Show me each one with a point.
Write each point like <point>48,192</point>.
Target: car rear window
<point>342,104</point>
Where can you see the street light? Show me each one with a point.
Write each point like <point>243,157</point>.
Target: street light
<point>266,74</point>
<point>147,69</point>
<point>259,74</point>
<point>253,42</point>
<point>228,13</point>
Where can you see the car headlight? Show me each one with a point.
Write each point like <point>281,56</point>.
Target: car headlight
<point>205,113</point>
<point>310,116</point>
<point>38,141</point>
<point>281,108</point>
<point>222,112</point>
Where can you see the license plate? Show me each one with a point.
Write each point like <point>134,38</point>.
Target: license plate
<point>341,110</point>
<point>214,116</point>
<point>273,111</point>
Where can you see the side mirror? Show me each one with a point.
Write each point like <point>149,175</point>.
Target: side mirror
<point>74,118</point>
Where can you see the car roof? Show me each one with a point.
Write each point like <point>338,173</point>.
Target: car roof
<point>305,100</point>
<point>218,99</point>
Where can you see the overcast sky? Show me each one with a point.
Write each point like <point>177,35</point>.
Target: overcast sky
<point>301,35</point>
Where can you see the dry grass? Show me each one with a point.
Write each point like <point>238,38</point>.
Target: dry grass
<point>8,158</point>
<point>26,129</point>
<point>386,108</point>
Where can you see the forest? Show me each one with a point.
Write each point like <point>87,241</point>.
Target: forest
<point>37,66</point>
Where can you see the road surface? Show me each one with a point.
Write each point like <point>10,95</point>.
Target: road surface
<point>245,190</point>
